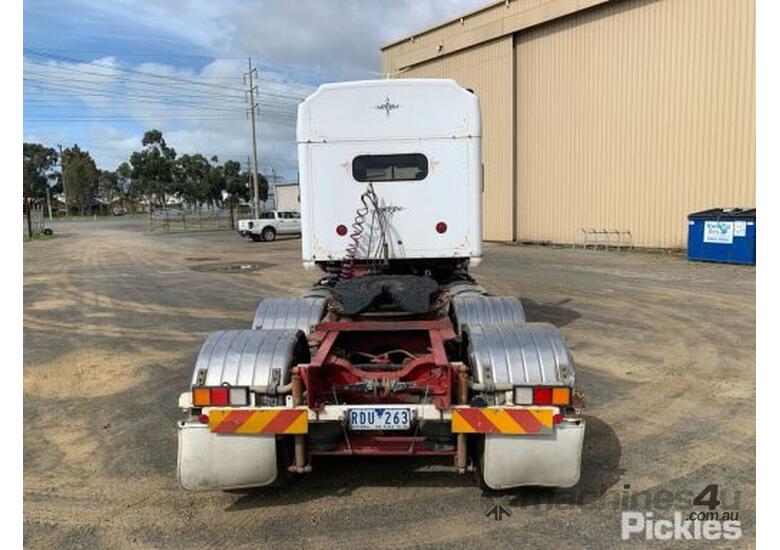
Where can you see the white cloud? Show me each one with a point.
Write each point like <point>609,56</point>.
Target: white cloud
<point>296,44</point>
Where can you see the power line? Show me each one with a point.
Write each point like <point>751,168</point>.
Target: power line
<point>259,62</point>
<point>129,87</point>
<point>137,81</point>
<point>42,53</point>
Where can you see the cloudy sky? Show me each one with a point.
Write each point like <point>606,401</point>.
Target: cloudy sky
<point>100,72</point>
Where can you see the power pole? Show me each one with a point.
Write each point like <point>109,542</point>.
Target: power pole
<point>62,177</point>
<point>48,198</point>
<point>249,78</point>
<point>273,176</point>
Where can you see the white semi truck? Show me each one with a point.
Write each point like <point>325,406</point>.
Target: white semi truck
<point>396,350</point>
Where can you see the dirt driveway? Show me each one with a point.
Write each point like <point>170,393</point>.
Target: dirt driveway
<point>114,318</point>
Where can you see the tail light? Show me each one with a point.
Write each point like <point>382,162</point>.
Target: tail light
<point>561,396</point>
<point>543,395</point>
<point>239,397</point>
<point>221,396</point>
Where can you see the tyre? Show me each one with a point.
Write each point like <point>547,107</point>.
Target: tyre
<point>256,238</point>
<point>268,234</point>
<point>48,231</point>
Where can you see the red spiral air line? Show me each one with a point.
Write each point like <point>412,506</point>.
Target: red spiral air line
<point>367,199</point>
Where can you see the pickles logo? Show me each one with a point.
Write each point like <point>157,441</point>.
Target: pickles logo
<point>695,525</point>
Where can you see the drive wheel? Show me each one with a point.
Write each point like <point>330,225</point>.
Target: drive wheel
<point>268,234</point>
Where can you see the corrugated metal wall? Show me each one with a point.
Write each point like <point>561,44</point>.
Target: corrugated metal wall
<point>632,115</point>
<point>628,115</point>
<point>487,69</point>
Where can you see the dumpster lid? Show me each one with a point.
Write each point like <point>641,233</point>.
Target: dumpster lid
<point>732,212</point>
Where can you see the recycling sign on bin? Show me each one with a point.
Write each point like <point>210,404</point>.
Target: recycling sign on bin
<point>719,232</point>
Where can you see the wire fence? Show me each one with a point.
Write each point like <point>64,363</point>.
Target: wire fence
<point>37,222</point>
<point>606,238</point>
<point>195,219</point>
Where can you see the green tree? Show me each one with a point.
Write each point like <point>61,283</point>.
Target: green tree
<point>153,167</point>
<point>191,173</point>
<point>80,177</point>
<point>214,184</point>
<point>236,187</point>
<point>236,183</point>
<point>37,162</point>
<point>108,186</point>
<point>124,176</point>
<point>262,185</point>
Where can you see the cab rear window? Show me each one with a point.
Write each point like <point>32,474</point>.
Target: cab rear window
<point>401,167</point>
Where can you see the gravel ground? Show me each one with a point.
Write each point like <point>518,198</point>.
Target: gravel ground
<point>114,318</point>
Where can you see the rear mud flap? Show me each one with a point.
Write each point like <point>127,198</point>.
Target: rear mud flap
<point>549,460</point>
<point>209,461</point>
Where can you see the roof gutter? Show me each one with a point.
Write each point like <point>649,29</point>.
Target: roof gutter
<point>550,10</point>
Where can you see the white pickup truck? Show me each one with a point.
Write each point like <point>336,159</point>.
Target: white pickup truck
<point>270,224</point>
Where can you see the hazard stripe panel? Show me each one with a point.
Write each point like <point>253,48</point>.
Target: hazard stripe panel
<point>503,420</point>
<point>259,421</point>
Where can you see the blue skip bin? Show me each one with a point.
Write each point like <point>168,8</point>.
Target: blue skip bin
<point>723,235</point>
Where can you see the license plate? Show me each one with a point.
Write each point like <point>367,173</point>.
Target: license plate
<point>380,418</point>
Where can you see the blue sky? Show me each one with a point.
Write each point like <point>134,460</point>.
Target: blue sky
<point>99,73</point>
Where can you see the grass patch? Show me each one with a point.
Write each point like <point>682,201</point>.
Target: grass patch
<point>38,237</point>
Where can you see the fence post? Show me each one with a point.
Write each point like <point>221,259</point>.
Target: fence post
<point>29,218</point>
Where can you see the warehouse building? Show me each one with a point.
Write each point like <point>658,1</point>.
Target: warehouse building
<point>288,196</point>
<point>619,115</point>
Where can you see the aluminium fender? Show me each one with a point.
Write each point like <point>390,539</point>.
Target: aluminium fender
<point>470,308</point>
<point>289,313</point>
<point>253,358</point>
<point>529,354</point>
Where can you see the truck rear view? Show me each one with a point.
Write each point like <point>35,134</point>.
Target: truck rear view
<point>396,350</point>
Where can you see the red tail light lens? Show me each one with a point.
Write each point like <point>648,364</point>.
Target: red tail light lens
<point>220,396</point>
<point>441,227</point>
<point>203,418</point>
<point>542,396</point>
<point>341,230</point>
